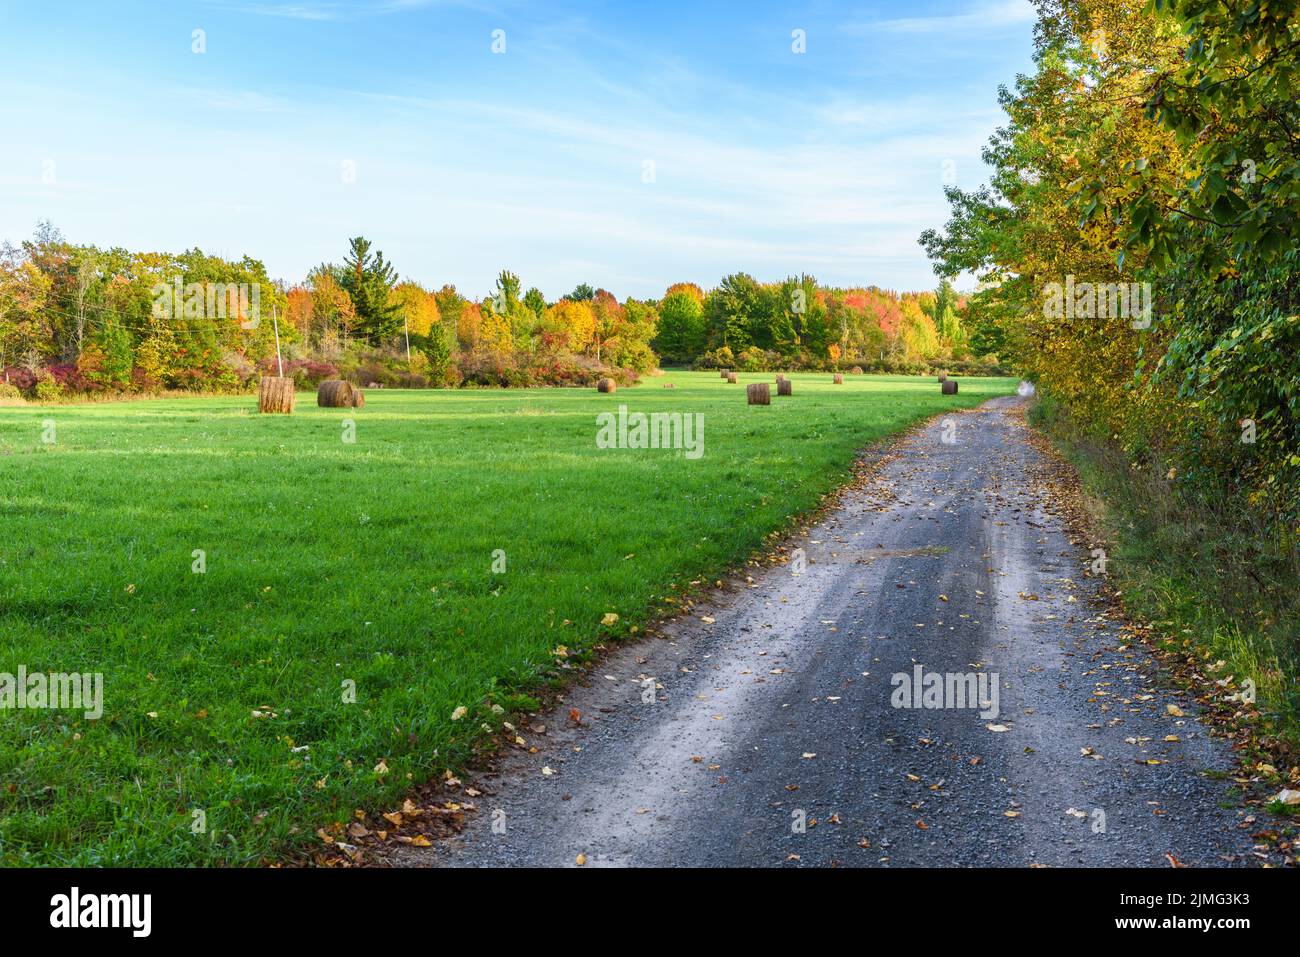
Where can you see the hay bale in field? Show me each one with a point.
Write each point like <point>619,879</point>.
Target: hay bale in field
<point>335,394</point>
<point>839,378</point>
<point>856,370</point>
<point>949,386</point>
<point>275,394</point>
<point>358,399</point>
<point>606,385</point>
<point>731,377</point>
<point>783,387</point>
<point>669,385</point>
<point>758,393</point>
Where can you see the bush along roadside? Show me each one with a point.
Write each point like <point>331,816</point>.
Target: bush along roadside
<point>1215,598</point>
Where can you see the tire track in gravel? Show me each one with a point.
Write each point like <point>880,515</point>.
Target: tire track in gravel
<point>952,556</point>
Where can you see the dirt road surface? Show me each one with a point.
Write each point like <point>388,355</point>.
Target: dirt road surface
<point>775,737</point>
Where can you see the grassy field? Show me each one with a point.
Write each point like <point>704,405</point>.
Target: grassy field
<point>330,562</point>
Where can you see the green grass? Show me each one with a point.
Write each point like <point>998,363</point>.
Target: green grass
<point>369,562</point>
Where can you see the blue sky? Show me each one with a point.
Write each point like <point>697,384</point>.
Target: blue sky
<point>623,144</point>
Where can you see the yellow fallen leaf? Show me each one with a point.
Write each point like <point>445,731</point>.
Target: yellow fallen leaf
<point>581,859</point>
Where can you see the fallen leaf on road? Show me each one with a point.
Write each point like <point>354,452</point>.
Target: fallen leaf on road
<point>997,727</point>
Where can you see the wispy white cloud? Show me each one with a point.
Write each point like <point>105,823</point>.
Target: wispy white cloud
<point>292,11</point>
<point>999,15</point>
<point>238,101</point>
<point>328,10</point>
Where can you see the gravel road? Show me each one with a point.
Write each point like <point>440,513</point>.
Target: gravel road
<point>777,737</point>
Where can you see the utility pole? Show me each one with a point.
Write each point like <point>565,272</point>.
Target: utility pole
<point>275,321</point>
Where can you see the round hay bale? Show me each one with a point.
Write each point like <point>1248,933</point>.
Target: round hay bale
<point>358,399</point>
<point>839,378</point>
<point>335,394</point>
<point>276,394</point>
<point>949,386</point>
<point>783,387</point>
<point>856,370</point>
<point>669,385</point>
<point>731,377</point>
<point>758,393</point>
<point>606,385</point>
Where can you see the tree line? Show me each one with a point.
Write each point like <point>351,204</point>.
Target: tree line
<point>78,318</point>
<point>1154,145</point>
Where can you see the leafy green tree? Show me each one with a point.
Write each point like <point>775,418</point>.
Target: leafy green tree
<point>437,347</point>
<point>535,301</point>
<point>681,335</point>
<point>730,311</point>
<point>119,356</point>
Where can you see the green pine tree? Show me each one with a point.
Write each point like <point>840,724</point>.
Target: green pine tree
<point>369,279</point>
